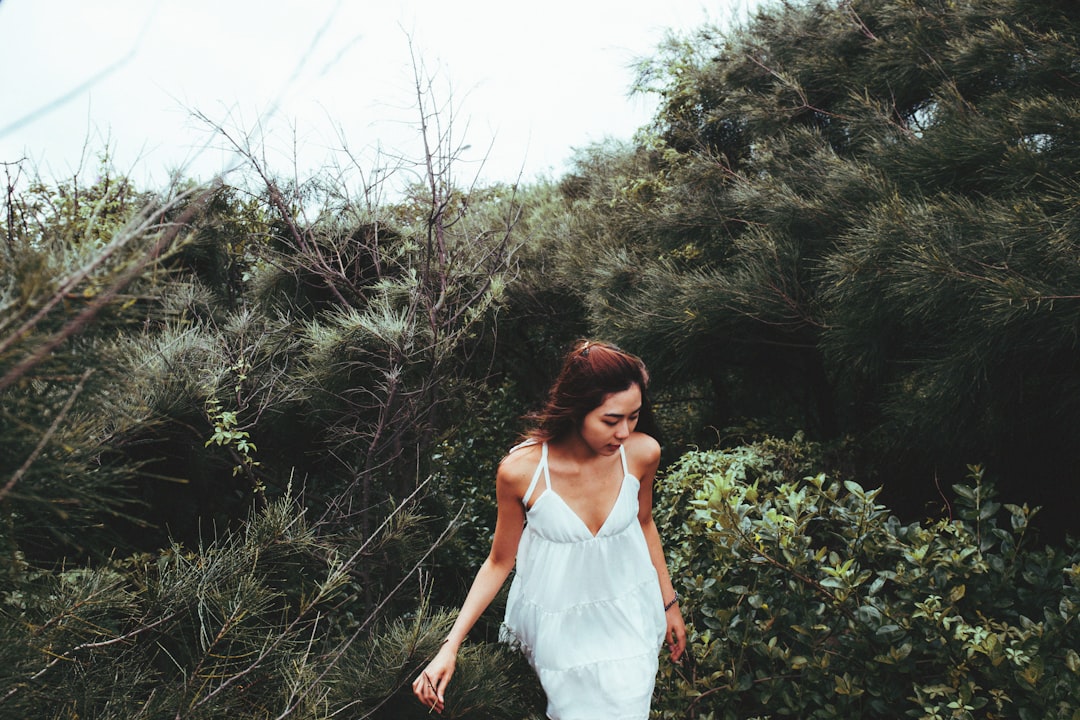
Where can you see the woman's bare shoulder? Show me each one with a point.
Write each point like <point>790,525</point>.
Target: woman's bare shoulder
<point>643,448</point>
<point>517,468</point>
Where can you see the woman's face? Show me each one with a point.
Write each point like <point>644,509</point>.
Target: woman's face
<point>608,426</point>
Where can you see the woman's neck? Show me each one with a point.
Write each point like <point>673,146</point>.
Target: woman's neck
<point>574,448</point>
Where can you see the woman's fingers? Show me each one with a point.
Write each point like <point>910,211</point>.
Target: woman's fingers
<point>430,691</point>
<point>436,690</point>
<point>430,686</point>
<point>676,638</point>
<point>426,692</point>
<point>679,647</point>
<point>440,688</point>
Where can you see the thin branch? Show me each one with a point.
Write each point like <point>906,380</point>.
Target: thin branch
<point>66,285</point>
<point>18,474</point>
<point>265,651</point>
<point>90,312</point>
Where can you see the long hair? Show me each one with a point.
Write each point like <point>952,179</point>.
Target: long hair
<point>590,372</point>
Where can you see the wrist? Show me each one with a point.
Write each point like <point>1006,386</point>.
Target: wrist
<point>673,601</point>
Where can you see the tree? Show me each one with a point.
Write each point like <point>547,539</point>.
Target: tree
<point>242,427</point>
<point>858,218</point>
<point>82,265</point>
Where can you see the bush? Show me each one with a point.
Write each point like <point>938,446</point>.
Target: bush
<point>808,599</point>
<point>259,624</point>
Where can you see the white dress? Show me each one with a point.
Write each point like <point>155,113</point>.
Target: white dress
<point>587,610</point>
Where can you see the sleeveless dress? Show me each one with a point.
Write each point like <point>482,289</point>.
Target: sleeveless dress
<point>587,609</point>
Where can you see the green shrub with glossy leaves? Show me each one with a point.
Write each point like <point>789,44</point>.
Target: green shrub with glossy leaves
<point>808,599</point>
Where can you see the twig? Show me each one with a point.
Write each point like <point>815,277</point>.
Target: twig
<point>17,475</point>
<point>91,311</point>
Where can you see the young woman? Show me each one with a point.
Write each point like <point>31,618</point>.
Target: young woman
<point>591,602</point>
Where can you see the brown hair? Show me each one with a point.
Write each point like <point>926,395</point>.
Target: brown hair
<point>591,371</point>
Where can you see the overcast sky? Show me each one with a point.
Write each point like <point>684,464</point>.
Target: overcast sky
<point>529,81</point>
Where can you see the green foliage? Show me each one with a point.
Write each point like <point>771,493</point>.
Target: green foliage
<point>858,219</point>
<point>255,382</point>
<point>76,217</point>
<point>491,681</point>
<point>250,626</point>
<point>808,599</point>
<point>854,217</point>
<point>196,352</point>
<point>80,267</point>
<point>464,468</point>
<point>195,635</point>
<point>544,311</point>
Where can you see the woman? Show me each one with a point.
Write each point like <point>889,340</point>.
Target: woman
<point>591,602</point>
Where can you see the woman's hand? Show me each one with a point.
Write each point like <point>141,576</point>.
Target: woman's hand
<point>430,686</point>
<point>676,632</point>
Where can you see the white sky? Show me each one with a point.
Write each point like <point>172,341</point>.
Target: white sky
<point>529,81</point>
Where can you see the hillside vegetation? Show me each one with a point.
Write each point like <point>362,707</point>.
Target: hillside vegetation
<point>248,430</point>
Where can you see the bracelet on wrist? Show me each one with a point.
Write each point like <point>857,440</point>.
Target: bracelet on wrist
<point>671,603</point>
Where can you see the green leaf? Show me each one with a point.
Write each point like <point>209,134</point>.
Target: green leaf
<point>964,491</point>
<point>1072,661</point>
<point>854,488</point>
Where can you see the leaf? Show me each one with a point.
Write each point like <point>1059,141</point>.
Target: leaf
<point>854,488</point>
<point>869,613</point>
<point>964,491</point>
<point>1072,661</point>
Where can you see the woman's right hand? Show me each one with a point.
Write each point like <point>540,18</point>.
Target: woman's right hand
<point>430,686</point>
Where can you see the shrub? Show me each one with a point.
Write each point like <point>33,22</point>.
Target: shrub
<point>808,599</point>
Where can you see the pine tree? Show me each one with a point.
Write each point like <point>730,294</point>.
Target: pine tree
<point>218,414</point>
<point>858,219</point>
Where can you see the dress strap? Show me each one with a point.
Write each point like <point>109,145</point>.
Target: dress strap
<point>524,443</point>
<point>622,454</point>
<point>542,465</point>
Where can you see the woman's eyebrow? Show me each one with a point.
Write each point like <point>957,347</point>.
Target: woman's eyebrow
<point>619,415</point>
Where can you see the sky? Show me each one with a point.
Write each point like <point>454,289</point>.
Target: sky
<point>322,83</point>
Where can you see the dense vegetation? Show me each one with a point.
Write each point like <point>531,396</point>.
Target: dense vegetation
<point>861,218</point>
<point>248,429</point>
<point>812,600</point>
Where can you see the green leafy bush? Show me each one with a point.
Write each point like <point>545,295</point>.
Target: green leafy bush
<point>808,599</point>
<point>464,465</point>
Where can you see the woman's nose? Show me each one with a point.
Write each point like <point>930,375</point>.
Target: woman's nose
<point>622,430</point>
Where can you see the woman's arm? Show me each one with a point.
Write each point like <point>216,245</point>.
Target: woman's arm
<point>647,459</point>
<point>510,484</point>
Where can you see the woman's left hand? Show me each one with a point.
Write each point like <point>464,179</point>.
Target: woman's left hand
<point>676,632</point>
